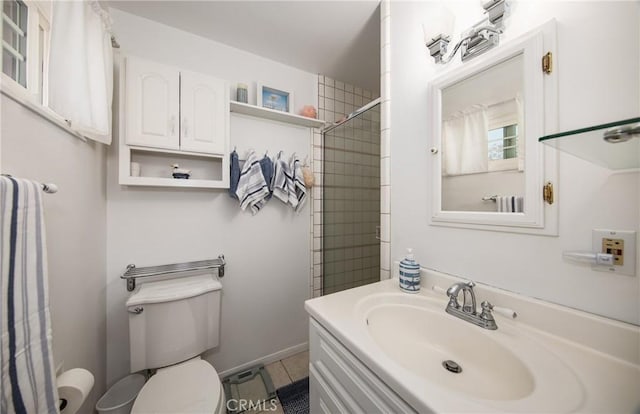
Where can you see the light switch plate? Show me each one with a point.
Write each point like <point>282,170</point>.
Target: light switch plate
<point>614,241</point>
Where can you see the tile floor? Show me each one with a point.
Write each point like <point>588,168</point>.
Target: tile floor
<point>288,370</point>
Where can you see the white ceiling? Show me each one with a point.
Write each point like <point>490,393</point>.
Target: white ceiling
<point>340,39</point>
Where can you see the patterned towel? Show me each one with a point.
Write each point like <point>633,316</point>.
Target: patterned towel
<point>299,189</point>
<point>267,171</point>
<point>28,376</point>
<point>510,204</point>
<point>234,174</point>
<point>252,188</point>
<point>283,187</point>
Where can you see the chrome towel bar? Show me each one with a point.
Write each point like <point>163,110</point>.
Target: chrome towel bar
<point>133,272</point>
<point>49,188</point>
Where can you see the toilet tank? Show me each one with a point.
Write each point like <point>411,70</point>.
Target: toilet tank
<point>173,320</point>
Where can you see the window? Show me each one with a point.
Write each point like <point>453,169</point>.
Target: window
<point>505,136</point>
<point>14,40</point>
<point>503,143</point>
<point>503,147</point>
<point>25,35</point>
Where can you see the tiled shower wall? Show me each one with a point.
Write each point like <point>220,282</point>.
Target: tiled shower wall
<point>349,190</point>
<point>385,140</point>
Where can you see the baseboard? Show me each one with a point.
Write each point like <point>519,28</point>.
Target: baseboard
<point>267,359</point>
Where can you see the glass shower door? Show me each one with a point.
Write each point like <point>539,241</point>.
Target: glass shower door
<point>351,203</point>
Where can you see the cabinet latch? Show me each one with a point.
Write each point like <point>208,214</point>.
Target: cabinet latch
<point>547,63</point>
<point>547,193</point>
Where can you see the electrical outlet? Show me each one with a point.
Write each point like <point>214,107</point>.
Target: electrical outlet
<point>614,247</point>
<point>620,244</point>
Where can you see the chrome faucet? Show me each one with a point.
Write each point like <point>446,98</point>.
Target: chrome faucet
<point>468,311</point>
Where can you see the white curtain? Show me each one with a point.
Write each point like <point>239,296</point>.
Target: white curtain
<point>81,67</point>
<point>465,142</point>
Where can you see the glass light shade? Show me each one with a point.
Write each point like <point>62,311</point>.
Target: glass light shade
<point>440,21</point>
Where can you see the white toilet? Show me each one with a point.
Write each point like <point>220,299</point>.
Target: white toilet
<point>171,322</point>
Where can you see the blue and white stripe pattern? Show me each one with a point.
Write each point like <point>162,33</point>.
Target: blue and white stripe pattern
<point>299,189</point>
<point>409,274</point>
<point>28,376</point>
<point>252,189</point>
<point>282,186</point>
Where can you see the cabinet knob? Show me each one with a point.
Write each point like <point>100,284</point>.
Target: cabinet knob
<point>185,128</point>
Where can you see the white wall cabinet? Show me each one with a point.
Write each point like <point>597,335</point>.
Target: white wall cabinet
<point>173,116</point>
<point>204,113</point>
<point>152,104</point>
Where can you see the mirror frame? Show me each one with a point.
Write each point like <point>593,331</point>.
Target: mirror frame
<point>541,118</point>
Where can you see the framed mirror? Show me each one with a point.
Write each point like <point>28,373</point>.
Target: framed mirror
<point>488,169</point>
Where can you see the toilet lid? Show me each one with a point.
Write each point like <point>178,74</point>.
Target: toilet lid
<point>191,387</point>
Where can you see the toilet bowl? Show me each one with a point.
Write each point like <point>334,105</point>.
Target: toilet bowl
<point>171,323</point>
<point>190,387</point>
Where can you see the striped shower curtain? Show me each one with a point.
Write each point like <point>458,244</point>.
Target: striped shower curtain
<point>28,377</point>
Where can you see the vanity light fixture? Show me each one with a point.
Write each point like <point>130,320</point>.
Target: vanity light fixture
<point>481,37</point>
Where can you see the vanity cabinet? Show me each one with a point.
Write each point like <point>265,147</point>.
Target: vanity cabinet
<point>340,383</point>
<point>172,116</point>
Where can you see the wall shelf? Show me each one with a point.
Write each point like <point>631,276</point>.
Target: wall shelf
<point>590,144</point>
<point>266,113</point>
<point>155,167</point>
<point>172,182</point>
<point>176,152</point>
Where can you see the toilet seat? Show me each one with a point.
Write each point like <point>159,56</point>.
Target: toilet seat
<point>189,387</point>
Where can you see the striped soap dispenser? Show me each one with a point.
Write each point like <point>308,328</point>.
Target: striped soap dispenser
<point>409,273</point>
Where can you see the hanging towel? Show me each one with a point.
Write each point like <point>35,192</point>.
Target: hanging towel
<point>267,172</point>
<point>299,189</point>
<point>282,180</point>
<point>28,375</point>
<point>519,206</point>
<point>502,203</point>
<point>234,174</point>
<point>510,204</point>
<point>252,188</point>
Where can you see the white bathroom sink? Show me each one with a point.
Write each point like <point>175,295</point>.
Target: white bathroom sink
<point>502,368</point>
<point>551,359</point>
<point>421,340</point>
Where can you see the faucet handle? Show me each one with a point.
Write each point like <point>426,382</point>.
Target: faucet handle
<point>453,301</point>
<point>471,284</point>
<point>487,307</point>
<point>453,292</point>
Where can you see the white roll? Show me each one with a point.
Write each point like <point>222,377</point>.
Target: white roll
<point>73,387</point>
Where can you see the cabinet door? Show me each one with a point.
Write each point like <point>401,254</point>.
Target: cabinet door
<point>152,104</point>
<point>204,102</point>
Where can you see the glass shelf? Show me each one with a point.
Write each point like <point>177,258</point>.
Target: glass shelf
<point>615,145</point>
